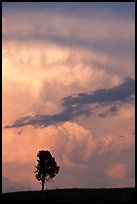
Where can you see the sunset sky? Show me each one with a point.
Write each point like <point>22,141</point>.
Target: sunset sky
<point>68,76</point>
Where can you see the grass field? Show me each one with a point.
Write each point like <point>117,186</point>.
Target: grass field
<point>73,195</point>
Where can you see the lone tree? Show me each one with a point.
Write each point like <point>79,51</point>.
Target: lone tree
<point>46,168</point>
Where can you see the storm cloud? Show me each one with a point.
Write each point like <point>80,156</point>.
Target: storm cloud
<point>112,111</point>
<point>77,105</point>
<point>45,120</point>
<point>64,89</point>
<point>120,93</point>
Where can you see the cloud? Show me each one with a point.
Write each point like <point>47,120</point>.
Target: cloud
<point>114,144</point>
<point>117,171</point>
<point>59,29</point>
<point>71,144</point>
<point>46,120</point>
<point>9,185</point>
<point>112,111</point>
<point>83,157</point>
<point>120,93</point>
<point>65,66</point>
<point>69,164</point>
<point>76,105</point>
<point>44,84</point>
<point>64,29</point>
<point>75,8</point>
<point>69,137</point>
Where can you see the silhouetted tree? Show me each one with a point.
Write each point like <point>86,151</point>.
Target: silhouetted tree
<point>46,168</point>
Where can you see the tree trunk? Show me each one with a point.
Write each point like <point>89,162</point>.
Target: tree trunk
<point>43,182</point>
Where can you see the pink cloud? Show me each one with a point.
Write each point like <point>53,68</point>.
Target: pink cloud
<point>71,144</point>
<point>69,164</point>
<point>116,171</point>
<point>73,147</point>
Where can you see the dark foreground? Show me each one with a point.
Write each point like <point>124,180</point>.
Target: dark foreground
<point>74,195</point>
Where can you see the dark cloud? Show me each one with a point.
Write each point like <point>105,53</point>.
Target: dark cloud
<point>120,93</point>
<point>122,9</point>
<point>78,105</point>
<point>45,120</point>
<point>116,47</point>
<point>112,111</point>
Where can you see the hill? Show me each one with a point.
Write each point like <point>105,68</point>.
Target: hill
<point>73,195</point>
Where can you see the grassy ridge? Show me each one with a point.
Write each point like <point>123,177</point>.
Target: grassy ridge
<point>74,195</point>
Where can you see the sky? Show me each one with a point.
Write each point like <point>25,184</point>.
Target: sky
<point>68,86</point>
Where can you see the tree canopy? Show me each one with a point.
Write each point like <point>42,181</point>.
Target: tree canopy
<point>47,167</point>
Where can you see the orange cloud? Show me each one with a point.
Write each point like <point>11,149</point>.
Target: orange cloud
<point>69,138</point>
<point>71,144</point>
<point>116,171</point>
